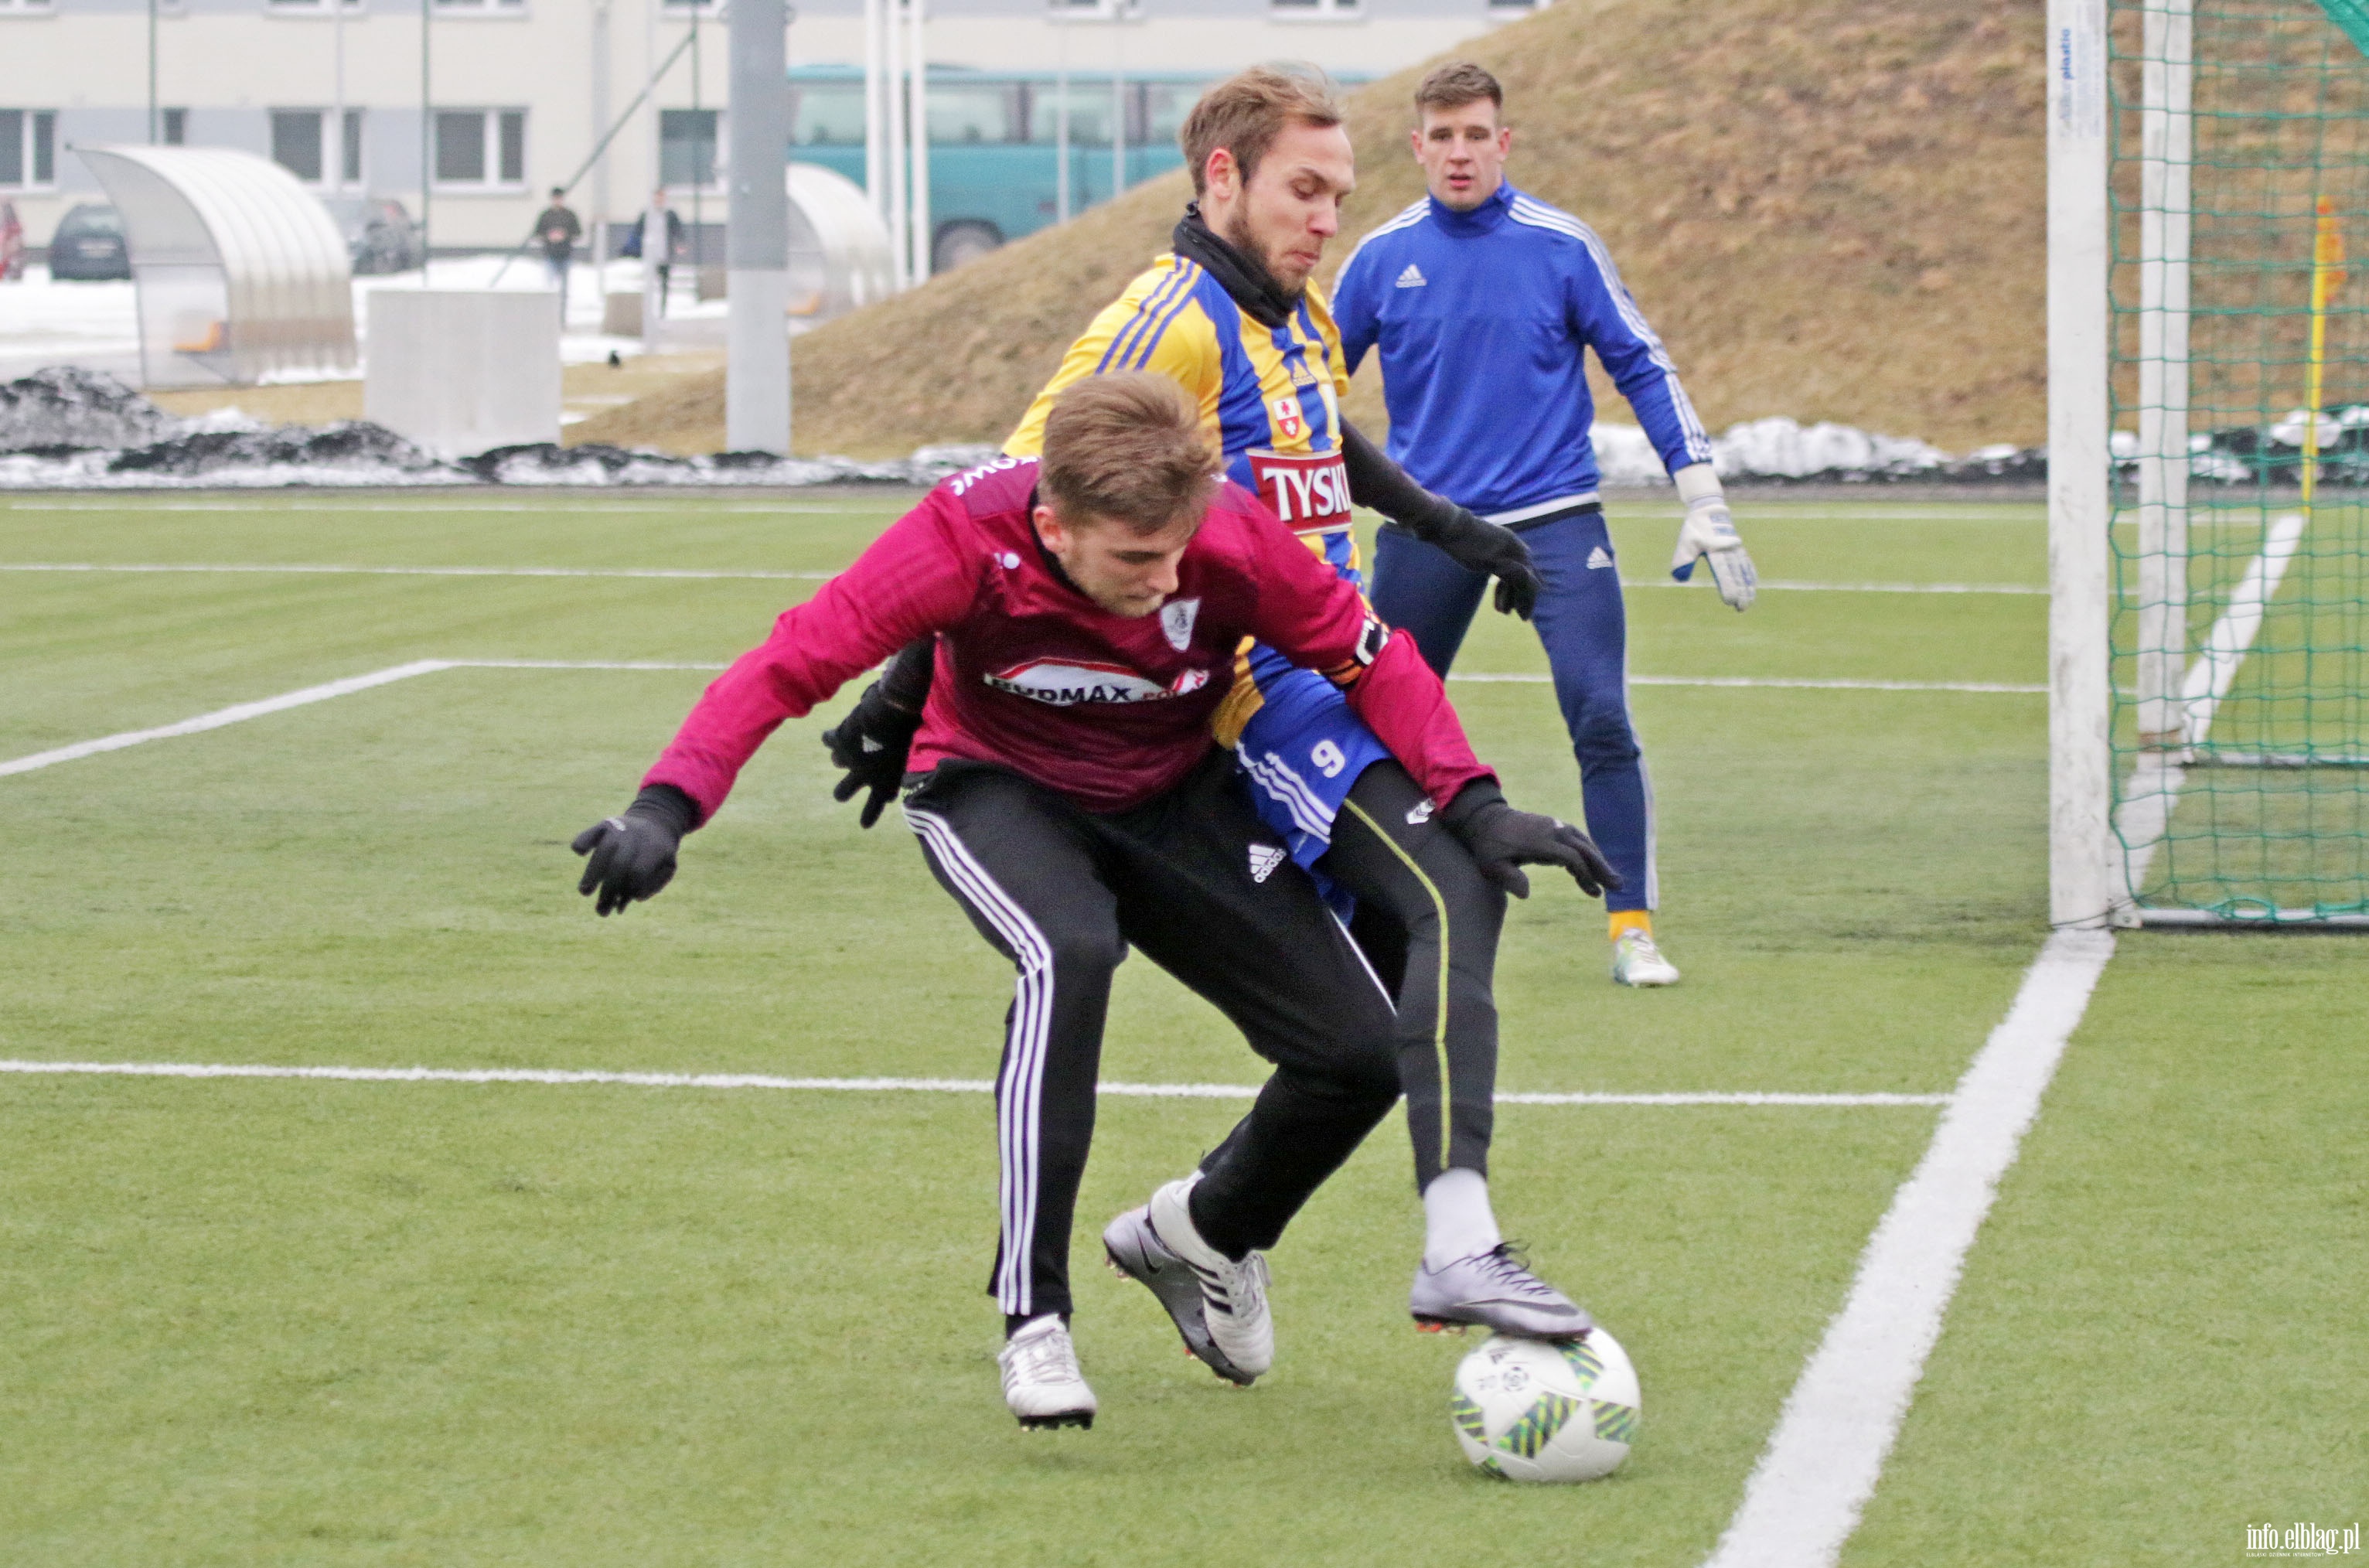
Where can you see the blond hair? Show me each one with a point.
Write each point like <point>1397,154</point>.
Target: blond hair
<point>1127,447</point>
<point>1248,110</point>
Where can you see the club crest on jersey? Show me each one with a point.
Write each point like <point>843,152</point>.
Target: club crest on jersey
<point>1290,423</point>
<point>1066,682</point>
<point>1176,621</point>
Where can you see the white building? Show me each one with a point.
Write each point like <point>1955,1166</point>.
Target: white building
<point>521,91</point>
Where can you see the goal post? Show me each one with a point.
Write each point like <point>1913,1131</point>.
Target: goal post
<point>2208,165</point>
<point>2080,791</point>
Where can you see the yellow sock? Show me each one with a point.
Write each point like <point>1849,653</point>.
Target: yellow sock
<point>1631,920</point>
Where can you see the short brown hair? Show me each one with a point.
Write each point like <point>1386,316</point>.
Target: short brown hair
<point>1455,84</point>
<point>1248,110</point>
<point>1127,446</point>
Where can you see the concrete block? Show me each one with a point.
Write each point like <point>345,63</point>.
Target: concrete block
<point>458,370</point>
<point>620,314</point>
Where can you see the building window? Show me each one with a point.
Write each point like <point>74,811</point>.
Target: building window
<point>296,142</point>
<point>174,127</point>
<point>480,149</point>
<point>1092,10</point>
<point>687,144</point>
<point>28,148</point>
<point>481,7</point>
<point>291,7</point>
<point>6,7</point>
<point>1314,10</point>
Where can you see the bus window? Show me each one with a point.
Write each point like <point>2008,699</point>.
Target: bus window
<point>1090,112</point>
<point>974,112</point>
<point>829,114</point>
<point>1165,105</point>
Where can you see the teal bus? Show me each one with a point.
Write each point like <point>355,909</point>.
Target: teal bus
<point>995,157</point>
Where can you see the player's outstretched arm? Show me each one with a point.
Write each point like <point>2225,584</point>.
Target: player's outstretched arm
<point>1471,542</point>
<point>631,856</point>
<point>913,582</point>
<point>1504,840</point>
<point>874,740</point>
<point>1709,535</point>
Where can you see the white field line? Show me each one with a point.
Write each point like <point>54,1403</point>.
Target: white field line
<point>1780,683</point>
<point>1804,1497</point>
<point>2225,645</point>
<point>1821,1463</point>
<point>2155,784</point>
<point>572,504</point>
<point>222,716</point>
<point>296,569</point>
<point>240,712</point>
<point>324,568</point>
<point>1786,586</point>
<point>866,1085</point>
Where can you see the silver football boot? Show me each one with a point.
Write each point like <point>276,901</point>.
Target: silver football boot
<point>1494,1290</point>
<point>1233,1295</point>
<point>1136,1251</point>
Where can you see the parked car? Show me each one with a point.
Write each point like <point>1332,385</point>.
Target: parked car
<point>380,234</point>
<point>12,245</point>
<point>88,244</point>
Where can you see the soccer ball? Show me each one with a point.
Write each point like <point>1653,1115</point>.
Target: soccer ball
<point>1528,1410</point>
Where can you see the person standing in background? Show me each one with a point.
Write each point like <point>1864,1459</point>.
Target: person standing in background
<point>663,258</point>
<point>1483,303</point>
<point>558,229</point>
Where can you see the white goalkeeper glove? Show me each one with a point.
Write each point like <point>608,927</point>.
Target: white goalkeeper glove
<point>1709,535</point>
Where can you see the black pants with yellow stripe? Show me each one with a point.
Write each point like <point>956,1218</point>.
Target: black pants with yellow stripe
<point>1198,884</point>
<point>1429,920</point>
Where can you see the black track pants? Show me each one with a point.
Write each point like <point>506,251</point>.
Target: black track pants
<point>1206,891</point>
<point>1431,921</point>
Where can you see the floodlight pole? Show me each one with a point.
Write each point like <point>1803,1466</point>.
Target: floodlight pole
<point>338,45</point>
<point>2080,891</point>
<point>757,233</point>
<point>876,121</point>
<point>1061,118</point>
<point>427,140</point>
<point>893,70</point>
<point>918,61</point>
<point>1118,98</point>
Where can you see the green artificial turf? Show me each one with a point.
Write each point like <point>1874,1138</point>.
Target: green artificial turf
<point>269,1322</point>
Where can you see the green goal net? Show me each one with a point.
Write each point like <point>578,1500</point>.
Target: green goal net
<point>2241,398</point>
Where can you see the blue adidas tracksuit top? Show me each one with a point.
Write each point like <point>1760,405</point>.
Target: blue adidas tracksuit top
<point>1487,314</point>
<point>1484,320</point>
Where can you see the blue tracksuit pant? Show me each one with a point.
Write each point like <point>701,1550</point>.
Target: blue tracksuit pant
<point>1580,620</point>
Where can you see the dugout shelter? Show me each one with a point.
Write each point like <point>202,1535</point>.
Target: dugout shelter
<point>241,272</point>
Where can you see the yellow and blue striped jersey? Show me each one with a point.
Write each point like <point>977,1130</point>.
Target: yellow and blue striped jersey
<point>1270,395</point>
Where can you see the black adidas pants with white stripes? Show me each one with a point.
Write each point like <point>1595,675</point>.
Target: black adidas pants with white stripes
<point>1189,879</point>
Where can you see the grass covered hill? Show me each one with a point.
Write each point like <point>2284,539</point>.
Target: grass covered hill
<point>1831,209</point>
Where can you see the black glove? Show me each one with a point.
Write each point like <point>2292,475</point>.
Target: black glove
<point>871,743</point>
<point>633,856</point>
<point>1504,840</point>
<point>1484,547</point>
<point>1488,548</point>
